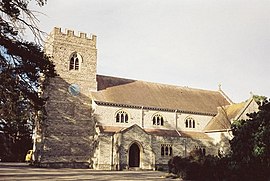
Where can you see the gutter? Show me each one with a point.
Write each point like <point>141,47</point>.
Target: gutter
<point>220,130</point>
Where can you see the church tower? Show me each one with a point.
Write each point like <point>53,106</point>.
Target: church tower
<point>75,58</point>
<point>65,137</point>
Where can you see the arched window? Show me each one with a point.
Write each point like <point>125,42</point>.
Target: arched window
<point>74,61</point>
<point>170,153</point>
<point>117,118</point>
<point>190,122</point>
<point>161,121</point>
<point>154,121</point>
<point>203,151</point>
<point>186,123</point>
<point>126,118</point>
<point>200,150</point>
<point>121,116</point>
<point>158,120</point>
<point>162,150</point>
<point>166,150</point>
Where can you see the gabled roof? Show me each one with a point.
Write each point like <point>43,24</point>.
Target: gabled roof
<point>226,115</point>
<point>134,126</point>
<point>162,132</point>
<point>155,95</point>
<point>117,129</point>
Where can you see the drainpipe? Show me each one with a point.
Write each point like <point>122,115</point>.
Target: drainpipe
<point>112,152</point>
<point>176,123</point>
<point>185,142</point>
<point>142,117</point>
<point>175,119</point>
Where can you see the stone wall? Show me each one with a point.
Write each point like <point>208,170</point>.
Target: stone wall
<point>118,144</point>
<point>106,116</point>
<point>68,130</point>
<point>67,135</point>
<point>61,45</point>
<point>113,150</point>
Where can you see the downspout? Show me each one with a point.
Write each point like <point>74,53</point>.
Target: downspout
<point>142,117</point>
<point>175,119</point>
<point>185,140</point>
<point>176,123</point>
<point>185,144</point>
<point>112,152</point>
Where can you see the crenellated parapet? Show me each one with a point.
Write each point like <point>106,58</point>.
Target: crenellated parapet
<point>70,33</point>
<point>69,37</point>
<point>63,45</point>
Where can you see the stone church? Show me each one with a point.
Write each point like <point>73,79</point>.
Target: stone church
<point>111,123</point>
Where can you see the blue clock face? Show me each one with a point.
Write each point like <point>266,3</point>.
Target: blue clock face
<point>74,89</point>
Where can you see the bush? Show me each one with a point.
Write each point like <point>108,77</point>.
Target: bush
<point>200,167</point>
<point>249,158</point>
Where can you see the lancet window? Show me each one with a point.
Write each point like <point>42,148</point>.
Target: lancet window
<point>190,123</point>
<point>74,62</point>
<point>121,117</point>
<point>158,120</point>
<point>166,150</point>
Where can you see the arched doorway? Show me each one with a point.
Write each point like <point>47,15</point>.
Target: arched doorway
<point>134,155</point>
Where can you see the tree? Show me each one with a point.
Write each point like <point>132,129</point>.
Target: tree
<point>251,145</point>
<point>21,65</point>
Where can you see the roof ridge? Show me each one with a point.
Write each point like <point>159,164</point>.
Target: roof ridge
<point>225,96</point>
<point>246,104</point>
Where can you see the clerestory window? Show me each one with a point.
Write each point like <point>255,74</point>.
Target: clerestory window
<point>190,123</point>
<point>158,120</point>
<point>121,117</point>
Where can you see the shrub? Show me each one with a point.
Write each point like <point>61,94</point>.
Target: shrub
<point>200,167</point>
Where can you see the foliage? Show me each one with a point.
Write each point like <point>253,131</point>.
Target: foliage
<point>259,99</point>
<point>249,158</point>
<point>21,64</point>
<point>251,144</point>
<point>199,167</point>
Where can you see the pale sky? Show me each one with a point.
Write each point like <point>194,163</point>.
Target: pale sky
<point>194,43</point>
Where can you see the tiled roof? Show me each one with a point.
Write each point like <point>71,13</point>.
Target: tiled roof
<point>159,132</point>
<point>162,132</point>
<point>225,116</point>
<point>154,95</point>
<point>195,135</point>
<point>174,133</point>
<point>109,129</point>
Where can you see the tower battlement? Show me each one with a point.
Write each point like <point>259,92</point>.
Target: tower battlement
<point>70,33</point>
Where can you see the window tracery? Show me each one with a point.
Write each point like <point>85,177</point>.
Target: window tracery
<point>74,62</point>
